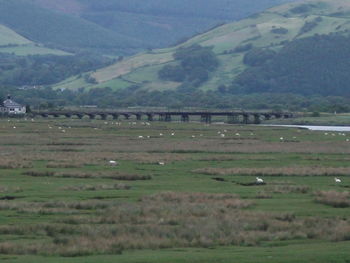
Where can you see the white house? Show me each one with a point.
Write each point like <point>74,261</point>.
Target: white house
<point>11,107</point>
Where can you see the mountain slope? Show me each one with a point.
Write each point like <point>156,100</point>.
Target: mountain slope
<point>10,37</point>
<point>11,42</point>
<point>60,30</point>
<point>270,29</point>
<point>157,23</point>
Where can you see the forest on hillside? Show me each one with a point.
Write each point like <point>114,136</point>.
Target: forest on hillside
<point>40,70</point>
<point>317,65</point>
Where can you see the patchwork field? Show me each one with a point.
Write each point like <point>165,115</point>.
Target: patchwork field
<point>177,193</point>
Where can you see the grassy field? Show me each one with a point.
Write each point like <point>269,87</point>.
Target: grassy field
<point>256,30</point>
<point>180,192</point>
<point>11,42</point>
<point>8,36</point>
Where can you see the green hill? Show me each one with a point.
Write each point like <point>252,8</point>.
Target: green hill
<point>271,29</point>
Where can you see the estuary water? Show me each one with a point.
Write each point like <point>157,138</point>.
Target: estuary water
<point>314,128</point>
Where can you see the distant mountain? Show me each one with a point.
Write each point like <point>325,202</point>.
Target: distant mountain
<point>279,50</point>
<point>60,30</point>
<point>120,27</point>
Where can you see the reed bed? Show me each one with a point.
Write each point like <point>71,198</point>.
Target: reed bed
<point>98,187</point>
<point>225,157</point>
<point>168,220</point>
<point>115,175</point>
<point>333,198</point>
<point>277,171</point>
<point>6,189</point>
<point>13,163</point>
<point>287,189</point>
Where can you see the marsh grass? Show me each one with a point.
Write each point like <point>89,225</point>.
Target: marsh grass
<point>12,163</point>
<point>286,189</point>
<point>224,157</point>
<point>263,195</point>
<point>6,189</point>
<point>97,187</point>
<point>65,217</point>
<point>167,220</point>
<point>115,175</point>
<point>64,165</point>
<point>277,171</point>
<point>333,198</point>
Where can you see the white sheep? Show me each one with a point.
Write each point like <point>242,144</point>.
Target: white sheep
<point>337,180</point>
<point>259,180</point>
<point>113,163</point>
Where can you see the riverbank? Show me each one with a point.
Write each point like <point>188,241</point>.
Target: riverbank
<point>325,119</point>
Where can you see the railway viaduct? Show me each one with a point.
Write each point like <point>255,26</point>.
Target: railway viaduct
<point>244,117</point>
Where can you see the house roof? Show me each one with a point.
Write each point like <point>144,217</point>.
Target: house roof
<point>10,103</point>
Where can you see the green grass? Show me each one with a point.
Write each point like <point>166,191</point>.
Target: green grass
<point>86,146</point>
<point>342,119</point>
<point>310,253</point>
<point>8,36</point>
<point>32,49</point>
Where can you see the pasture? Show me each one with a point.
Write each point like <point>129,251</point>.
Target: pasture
<point>179,192</point>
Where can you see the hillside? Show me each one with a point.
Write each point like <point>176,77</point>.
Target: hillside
<point>11,42</point>
<point>150,24</point>
<point>271,29</point>
<point>9,37</point>
<point>60,30</point>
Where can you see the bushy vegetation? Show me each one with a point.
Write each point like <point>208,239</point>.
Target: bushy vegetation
<point>310,66</point>
<point>310,25</point>
<point>258,56</point>
<point>280,30</point>
<point>46,69</point>
<point>301,9</point>
<point>194,65</point>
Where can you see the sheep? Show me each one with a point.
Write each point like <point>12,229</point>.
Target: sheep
<point>259,180</point>
<point>113,163</point>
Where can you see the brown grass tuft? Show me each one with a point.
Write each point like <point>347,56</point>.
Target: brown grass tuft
<point>115,175</point>
<point>333,198</point>
<point>273,171</point>
<point>98,187</point>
